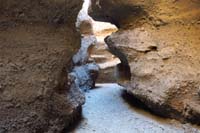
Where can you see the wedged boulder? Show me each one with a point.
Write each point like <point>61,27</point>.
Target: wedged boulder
<point>161,48</point>
<point>37,41</point>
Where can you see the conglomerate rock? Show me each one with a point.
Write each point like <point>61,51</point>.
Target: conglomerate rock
<point>159,42</point>
<point>37,41</point>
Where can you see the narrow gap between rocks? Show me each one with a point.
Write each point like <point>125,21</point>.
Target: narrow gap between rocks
<point>113,65</point>
<point>112,69</point>
<point>108,107</point>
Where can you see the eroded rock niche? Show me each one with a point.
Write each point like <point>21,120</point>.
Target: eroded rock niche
<point>160,41</point>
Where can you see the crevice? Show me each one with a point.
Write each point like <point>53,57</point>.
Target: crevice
<point>93,49</point>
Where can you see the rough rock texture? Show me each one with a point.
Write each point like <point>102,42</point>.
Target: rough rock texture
<point>119,12</point>
<point>159,42</point>
<point>86,70</point>
<point>85,76</point>
<point>37,41</point>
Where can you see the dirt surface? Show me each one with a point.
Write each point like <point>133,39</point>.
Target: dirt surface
<point>105,111</point>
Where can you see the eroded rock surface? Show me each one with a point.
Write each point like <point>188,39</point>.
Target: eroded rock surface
<point>86,70</point>
<point>159,40</point>
<point>37,41</point>
<point>85,76</point>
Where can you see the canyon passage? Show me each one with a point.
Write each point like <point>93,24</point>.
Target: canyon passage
<point>104,66</point>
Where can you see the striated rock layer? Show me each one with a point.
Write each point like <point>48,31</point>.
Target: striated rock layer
<point>158,43</point>
<point>37,41</point>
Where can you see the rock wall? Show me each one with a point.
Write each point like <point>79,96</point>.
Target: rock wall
<point>37,41</point>
<point>40,10</point>
<point>158,41</point>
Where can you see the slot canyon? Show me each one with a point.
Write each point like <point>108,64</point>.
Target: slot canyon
<point>99,66</point>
